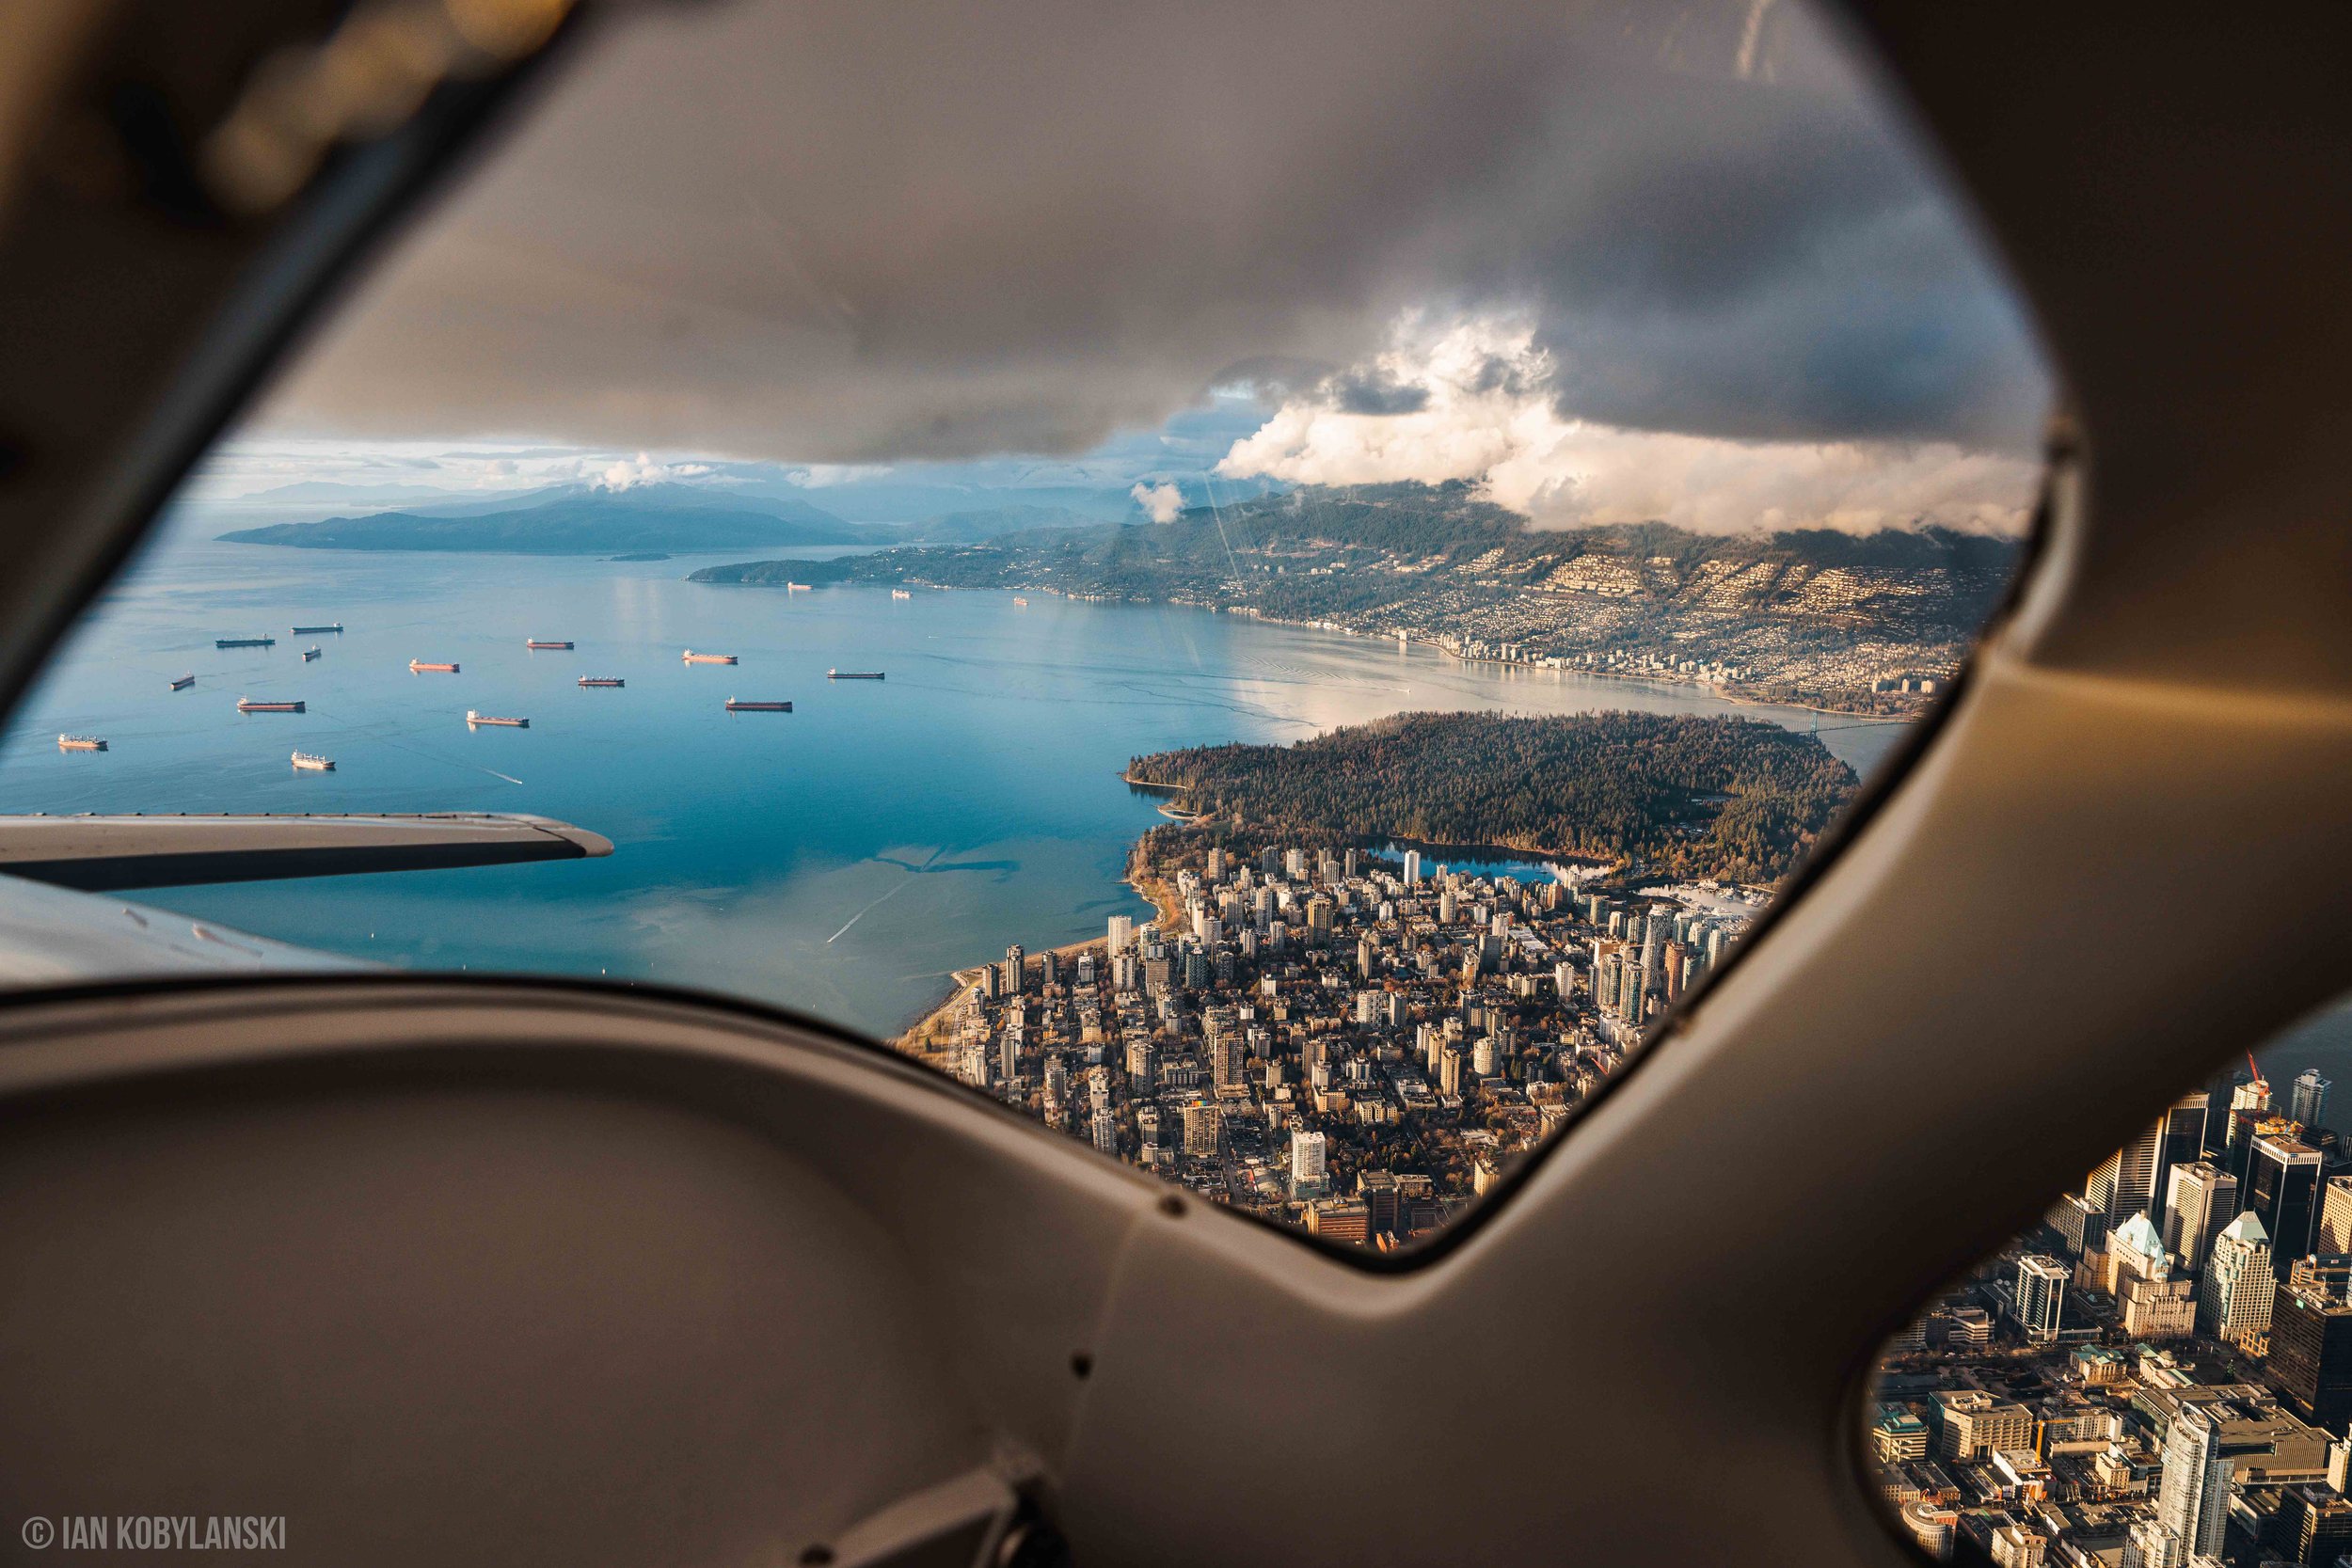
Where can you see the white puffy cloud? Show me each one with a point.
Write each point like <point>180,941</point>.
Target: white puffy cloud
<point>1476,399</point>
<point>1161,502</point>
<point>625,474</point>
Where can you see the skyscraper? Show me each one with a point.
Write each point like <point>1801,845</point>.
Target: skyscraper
<point>2127,1178</point>
<point>2200,1198</point>
<point>1412,868</point>
<point>2335,1215</point>
<point>1122,931</point>
<point>2283,1186</point>
<point>2042,1296</point>
<point>1309,1174</point>
<point>1016,966</point>
<point>2308,1102</point>
<point>2311,1355</point>
<point>2182,1140</point>
<point>2193,1497</point>
<point>2234,1300</point>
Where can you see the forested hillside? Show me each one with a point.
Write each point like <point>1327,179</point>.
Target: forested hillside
<point>1738,799</point>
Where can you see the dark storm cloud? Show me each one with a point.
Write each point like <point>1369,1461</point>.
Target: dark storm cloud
<point>842,231</point>
<point>1370,392</point>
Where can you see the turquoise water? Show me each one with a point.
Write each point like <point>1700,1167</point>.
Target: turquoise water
<point>842,858</point>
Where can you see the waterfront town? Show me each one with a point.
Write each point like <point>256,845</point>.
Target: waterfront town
<point>2159,1376</point>
<point>1357,1044</point>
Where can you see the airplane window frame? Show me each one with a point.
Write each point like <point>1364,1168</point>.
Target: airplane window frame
<point>365,197</point>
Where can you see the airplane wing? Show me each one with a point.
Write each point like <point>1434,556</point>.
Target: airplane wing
<point>98,854</point>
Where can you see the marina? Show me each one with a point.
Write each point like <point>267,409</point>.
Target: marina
<point>853,674</point>
<point>737,705</point>
<point>333,629</point>
<point>693,657</point>
<point>305,763</point>
<point>246,705</point>
<point>245,642</point>
<point>549,643</point>
<point>613,681</point>
<point>183,683</point>
<point>477,720</point>
<point>80,743</point>
<point>419,667</point>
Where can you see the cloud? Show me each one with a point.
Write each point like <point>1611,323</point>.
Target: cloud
<point>839,233</point>
<point>1486,408</point>
<point>625,474</point>
<point>1161,502</point>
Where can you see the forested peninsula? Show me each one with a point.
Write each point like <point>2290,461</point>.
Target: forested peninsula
<point>1741,799</point>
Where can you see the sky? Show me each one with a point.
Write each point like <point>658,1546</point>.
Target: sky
<point>1615,260</point>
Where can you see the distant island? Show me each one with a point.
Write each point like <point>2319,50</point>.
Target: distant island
<point>653,519</point>
<point>1740,799</point>
<point>1871,623</point>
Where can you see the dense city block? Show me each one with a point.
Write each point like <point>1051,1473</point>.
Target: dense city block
<point>2159,1376</point>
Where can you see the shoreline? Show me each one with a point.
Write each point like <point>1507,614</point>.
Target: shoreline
<point>914,1039</point>
<point>1651,678</point>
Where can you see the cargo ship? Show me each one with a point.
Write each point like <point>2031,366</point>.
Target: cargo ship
<point>245,642</point>
<point>308,653</point>
<point>693,657</point>
<point>1021,602</point>
<point>796,588</point>
<point>602,680</point>
<point>419,667</point>
<point>246,705</point>
<point>305,762</point>
<point>900,594</point>
<point>473,718</point>
<point>183,683</point>
<point>332,629</point>
<point>80,743</point>
<point>549,642</point>
<point>853,674</point>
<point>736,705</point>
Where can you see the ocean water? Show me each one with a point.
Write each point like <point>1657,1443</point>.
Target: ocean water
<point>842,858</point>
